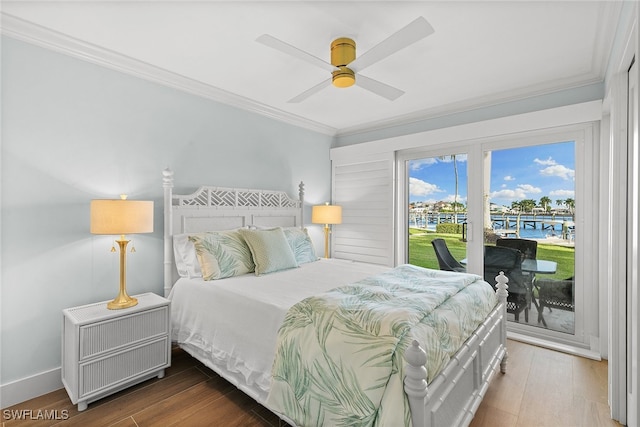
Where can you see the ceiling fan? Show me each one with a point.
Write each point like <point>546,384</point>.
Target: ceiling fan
<point>345,68</point>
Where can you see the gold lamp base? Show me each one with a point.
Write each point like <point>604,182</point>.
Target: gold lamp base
<point>327,231</point>
<point>123,300</point>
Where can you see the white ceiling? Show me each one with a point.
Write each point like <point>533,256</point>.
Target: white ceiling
<point>481,52</point>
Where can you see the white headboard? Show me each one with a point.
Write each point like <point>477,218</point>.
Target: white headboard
<point>217,208</point>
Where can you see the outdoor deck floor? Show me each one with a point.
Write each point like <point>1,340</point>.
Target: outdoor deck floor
<point>557,320</point>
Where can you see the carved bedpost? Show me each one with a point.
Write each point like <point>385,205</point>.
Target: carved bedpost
<point>415,382</point>
<point>301,198</point>
<point>502,293</point>
<point>167,184</point>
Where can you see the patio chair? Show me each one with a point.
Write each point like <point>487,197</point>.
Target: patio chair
<point>446,261</point>
<point>508,260</point>
<point>555,294</point>
<point>528,248</point>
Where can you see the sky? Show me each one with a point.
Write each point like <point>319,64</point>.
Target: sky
<point>516,174</point>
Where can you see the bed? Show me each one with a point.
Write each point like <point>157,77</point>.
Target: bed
<point>215,320</point>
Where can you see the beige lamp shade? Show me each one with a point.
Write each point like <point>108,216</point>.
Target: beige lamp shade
<point>326,214</point>
<point>121,216</point>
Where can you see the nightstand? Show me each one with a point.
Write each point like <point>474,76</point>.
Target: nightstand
<point>105,351</point>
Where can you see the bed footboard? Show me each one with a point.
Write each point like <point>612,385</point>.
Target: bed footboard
<point>453,397</point>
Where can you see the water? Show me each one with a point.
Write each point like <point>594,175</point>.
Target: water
<point>526,232</point>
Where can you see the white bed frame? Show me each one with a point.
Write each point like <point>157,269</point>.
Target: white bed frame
<point>453,396</point>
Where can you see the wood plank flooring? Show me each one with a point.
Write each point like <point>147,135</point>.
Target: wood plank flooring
<point>541,388</point>
<point>546,388</point>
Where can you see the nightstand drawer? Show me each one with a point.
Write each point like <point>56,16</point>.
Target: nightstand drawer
<point>109,335</point>
<point>109,371</point>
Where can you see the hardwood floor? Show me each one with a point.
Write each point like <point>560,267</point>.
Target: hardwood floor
<point>541,388</point>
<point>546,388</point>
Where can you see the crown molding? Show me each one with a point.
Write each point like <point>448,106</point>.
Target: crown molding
<point>470,105</point>
<point>31,33</point>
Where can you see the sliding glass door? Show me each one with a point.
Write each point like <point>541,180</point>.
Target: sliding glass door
<point>512,204</point>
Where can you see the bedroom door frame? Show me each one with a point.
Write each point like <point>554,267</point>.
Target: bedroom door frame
<point>633,294</point>
<point>618,257</point>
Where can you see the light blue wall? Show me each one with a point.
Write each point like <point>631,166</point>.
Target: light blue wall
<point>73,131</point>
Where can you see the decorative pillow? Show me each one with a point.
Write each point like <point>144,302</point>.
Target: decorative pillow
<point>270,249</point>
<point>185,255</point>
<point>222,254</point>
<point>300,244</point>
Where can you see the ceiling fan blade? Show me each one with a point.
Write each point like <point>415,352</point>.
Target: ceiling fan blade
<point>416,30</point>
<point>274,43</point>
<point>307,93</point>
<point>381,89</point>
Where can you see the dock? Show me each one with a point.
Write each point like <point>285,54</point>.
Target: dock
<point>504,224</point>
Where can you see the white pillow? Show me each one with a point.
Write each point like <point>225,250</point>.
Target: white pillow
<point>185,256</point>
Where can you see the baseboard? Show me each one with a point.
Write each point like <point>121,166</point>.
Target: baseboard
<point>27,388</point>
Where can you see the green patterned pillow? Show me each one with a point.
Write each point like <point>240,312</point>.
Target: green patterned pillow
<point>300,244</point>
<point>270,250</point>
<point>222,254</point>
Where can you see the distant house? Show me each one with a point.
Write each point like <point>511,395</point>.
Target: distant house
<point>498,208</point>
<point>440,206</point>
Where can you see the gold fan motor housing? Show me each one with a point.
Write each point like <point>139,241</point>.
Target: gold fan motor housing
<point>343,52</point>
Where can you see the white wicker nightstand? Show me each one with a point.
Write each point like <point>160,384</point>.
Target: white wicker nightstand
<point>105,351</point>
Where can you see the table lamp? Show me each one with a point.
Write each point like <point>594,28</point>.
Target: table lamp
<point>122,217</point>
<point>326,214</point>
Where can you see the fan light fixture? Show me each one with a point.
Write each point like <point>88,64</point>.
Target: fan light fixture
<point>343,52</point>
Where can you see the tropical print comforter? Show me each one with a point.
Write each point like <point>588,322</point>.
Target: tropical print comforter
<point>339,359</point>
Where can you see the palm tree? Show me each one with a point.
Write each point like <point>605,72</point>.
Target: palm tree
<point>528,205</point>
<point>545,203</point>
<point>455,196</point>
<point>571,205</point>
<point>516,206</point>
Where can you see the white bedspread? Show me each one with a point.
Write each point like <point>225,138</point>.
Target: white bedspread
<point>231,324</point>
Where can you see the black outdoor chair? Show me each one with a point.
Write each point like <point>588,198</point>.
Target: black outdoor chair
<point>528,248</point>
<point>446,261</point>
<point>555,294</point>
<point>509,261</point>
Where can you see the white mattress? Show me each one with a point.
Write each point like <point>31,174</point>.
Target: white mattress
<point>231,324</point>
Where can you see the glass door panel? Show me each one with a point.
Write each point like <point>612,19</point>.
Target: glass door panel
<point>437,195</point>
<point>529,231</point>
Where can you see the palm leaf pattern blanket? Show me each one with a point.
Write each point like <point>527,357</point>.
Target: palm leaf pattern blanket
<point>339,357</point>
